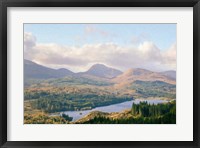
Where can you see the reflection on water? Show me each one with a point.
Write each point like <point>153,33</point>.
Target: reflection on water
<point>110,108</point>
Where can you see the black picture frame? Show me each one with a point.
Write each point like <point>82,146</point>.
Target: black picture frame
<point>4,4</point>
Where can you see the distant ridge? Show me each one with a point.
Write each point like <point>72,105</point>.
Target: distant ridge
<point>103,71</point>
<point>170,73</point>
<point>136,72</point>
<point>33,70</point>
<point>36,71</point>
<point>132,75</point>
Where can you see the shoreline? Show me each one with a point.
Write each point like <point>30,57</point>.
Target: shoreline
<point>138,99</point>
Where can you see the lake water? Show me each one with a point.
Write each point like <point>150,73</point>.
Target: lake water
<point>110,108</point>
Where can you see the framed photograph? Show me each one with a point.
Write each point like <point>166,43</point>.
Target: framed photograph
<point>99,73</point>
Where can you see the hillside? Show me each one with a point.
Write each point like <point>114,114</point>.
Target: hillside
<point>53,90</point>
<point>36,71</point>
<point>170,74</point>
<point>142,113</point>
<point>128,77</point>
<point>154,89</point>
<point>103,71</point>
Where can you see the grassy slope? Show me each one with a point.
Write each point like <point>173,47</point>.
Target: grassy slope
<point>80,93</point>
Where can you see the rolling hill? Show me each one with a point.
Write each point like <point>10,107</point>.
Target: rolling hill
<point>170,74</point>
<point>131,75</point>
<point>56,90</point>
<point>36,71</point>
<point>100,70</point>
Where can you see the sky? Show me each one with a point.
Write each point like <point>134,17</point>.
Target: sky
<point>123,46</point>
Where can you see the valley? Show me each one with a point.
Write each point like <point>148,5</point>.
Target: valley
<point>50,91</point>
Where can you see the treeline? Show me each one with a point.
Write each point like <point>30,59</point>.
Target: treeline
<point>143,113</point>
<point>59,103</point>
<point>154,89</point>
<point>67,117</point>
<point>69,80</point>
<point>42,118</point>
<point>147,110</point>
<point>78,80</point>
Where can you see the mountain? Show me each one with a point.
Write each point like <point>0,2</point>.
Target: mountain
<point>36,71</point>
<point>98,73</point>
<point>136,72</point>
<point>100,70</point>
<point>132,75</point>
<point>170,73</point>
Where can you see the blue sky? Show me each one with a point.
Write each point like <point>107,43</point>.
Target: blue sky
<point>78,46</point>
<point>162,35</point>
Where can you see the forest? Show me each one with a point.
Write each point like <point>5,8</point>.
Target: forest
<point>154,89</point>
<point>51,103</point>
<point>142,113</point>
<point>70,98</point>
<point>48,92</point>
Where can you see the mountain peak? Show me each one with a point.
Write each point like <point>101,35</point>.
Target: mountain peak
<point>101,70</point>
<point>140,74</point>
<point>98,66</point>
<point>35,71</point>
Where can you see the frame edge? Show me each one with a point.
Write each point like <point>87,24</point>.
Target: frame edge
<point>3,74</point>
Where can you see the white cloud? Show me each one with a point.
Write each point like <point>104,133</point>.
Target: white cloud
<point>29,43</point>
<point>29,40</point>
<point>169,56</point>
<point>145,55</point>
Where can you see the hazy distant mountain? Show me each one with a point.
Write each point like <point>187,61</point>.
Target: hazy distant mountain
<point>136,72</point>
<point>103,71</point>
<point>36,71</point>
<point>171,74</point>
<point>132,75</point>
<point>98,72</point>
